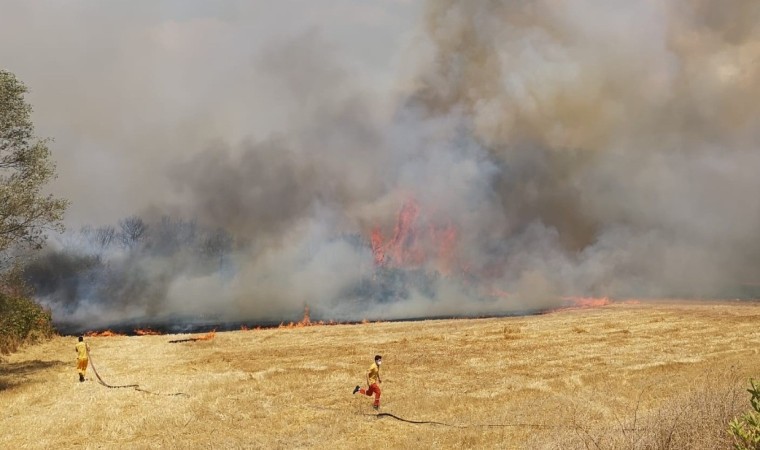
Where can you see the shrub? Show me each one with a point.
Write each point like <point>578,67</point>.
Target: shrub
<point>745,430</point>
<point>22,320</point>
<point>695,419</point>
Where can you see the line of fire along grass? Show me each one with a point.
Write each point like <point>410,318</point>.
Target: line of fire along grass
<point>178,326</point>
<point>194,325</point>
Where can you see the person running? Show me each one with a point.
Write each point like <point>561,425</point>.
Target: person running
<point>373,382</point>
<point>82,357</point>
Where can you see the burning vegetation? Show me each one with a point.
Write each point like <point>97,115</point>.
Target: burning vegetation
<point>413,258</point>
<point>414,245</point>
<point>104,333</point>
<point>529,157</point>
<point>147,332</point>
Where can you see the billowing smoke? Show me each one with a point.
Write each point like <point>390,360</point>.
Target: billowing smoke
<point>536,150</point>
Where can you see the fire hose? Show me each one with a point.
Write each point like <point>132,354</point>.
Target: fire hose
<point>431,422</point>
<point>494,425</point>
<point>133,386</point>
<point>487,425</point>
<point>474,425</point>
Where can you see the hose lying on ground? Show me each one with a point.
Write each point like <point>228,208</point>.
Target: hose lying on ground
<point>430,422</point>
<point>133,386</point>
<point>492,425</point>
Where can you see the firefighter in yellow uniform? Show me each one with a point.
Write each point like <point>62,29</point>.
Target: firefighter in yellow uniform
<point>82,358</point>
<point>373,382</point>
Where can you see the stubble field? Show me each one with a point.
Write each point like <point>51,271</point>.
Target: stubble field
<point>623,375</point>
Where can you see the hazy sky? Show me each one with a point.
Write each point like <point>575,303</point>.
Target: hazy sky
<point>127,87</point>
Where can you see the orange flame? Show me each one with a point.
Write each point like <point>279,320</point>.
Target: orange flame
<point>147,332</point>
<point>104,333</point>
<point>411,245</point>
<point>208,336</point>
<point>376,241</point>
<point>305,322</point>
<point>586,302</point>
<point>405,245</point>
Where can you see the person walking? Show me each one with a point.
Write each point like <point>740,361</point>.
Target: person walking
<point>373,382</point>
<point>82,357</point>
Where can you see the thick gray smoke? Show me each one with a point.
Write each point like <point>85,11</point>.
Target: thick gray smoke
<point>558,148</point>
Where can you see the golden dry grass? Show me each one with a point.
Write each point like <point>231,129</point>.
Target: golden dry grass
<point>592,369</point>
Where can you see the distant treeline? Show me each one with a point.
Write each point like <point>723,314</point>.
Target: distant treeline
<point>132,262</point>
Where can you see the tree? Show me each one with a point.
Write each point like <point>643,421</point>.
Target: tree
<point>104,236</point>
<point>169,236</point>
<point>25,168</point>
<point>216,245</point>
<point>133,228</point>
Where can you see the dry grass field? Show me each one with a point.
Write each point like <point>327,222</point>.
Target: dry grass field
<point>619,376</point>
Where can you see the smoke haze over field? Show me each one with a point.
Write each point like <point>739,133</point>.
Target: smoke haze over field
<point>539,150</point>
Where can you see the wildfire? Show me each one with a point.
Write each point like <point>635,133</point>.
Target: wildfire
<point>208,336</point>
<point>104,333</point>
<point>305,322</point>
<point>147,332</point>
<point>413,244</point>
<point>586,302</point>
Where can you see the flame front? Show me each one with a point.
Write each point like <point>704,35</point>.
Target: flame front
<point>208,336</point>
<point>104,333</point>
<point>147,332</point>
<point>305,322</point>
<point>586,302</point>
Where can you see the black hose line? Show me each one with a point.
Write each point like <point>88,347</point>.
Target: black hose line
<point>133,386</point>
<point>487,425</point>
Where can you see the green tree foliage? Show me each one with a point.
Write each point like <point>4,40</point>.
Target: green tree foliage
<point>26,213</point>
<point>21,319</point>
<point>25,168</point>
<point>746,429</point>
